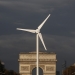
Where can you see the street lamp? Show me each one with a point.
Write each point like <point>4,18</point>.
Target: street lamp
<point>2,68</point>
<point>63,66</point>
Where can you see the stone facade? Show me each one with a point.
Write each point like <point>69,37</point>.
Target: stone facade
<point>47,62</point>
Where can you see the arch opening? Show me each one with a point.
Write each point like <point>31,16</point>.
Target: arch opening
<point>34,71</point>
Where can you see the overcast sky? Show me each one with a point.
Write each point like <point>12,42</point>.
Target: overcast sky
<point>58,32</point>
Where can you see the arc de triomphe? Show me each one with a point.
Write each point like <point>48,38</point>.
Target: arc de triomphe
<point>47,62</point>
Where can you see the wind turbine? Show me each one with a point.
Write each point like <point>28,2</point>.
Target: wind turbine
<point>38,34</point>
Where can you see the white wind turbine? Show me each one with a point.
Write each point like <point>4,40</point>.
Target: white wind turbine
<point>38,34</point>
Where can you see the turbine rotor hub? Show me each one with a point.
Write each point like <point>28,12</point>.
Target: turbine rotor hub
<point>37,30</point>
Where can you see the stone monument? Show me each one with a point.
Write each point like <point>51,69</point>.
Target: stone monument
<point>47,62</point>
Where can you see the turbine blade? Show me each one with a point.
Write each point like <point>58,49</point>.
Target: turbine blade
<point>40,36</point>
<point>28,30</point>
<point>40,26</point>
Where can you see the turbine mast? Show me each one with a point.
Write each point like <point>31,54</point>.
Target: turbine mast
<point>37,54</point>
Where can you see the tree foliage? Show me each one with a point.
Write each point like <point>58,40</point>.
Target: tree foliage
<point>69,71</point>
<point>4,71</point>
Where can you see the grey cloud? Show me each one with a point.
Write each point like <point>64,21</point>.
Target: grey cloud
<point>27,42</point>
<point>15,41</point>
<point>23,40</point>
<point>73,32</point>
<point>41,6</point>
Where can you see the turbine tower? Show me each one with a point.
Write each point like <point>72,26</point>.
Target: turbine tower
<point>38,35</point>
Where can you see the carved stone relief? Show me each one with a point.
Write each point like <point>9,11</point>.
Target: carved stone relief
<point>24,68</point>
<point>49,68</point>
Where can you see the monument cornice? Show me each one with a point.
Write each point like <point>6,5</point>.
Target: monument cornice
<point>40,52</point>
<point>33,60</point>
<point>41,56</point>
<point>39,62</point>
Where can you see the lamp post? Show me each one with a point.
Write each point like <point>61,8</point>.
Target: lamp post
<point>2,68</point>
<point>63,66</point>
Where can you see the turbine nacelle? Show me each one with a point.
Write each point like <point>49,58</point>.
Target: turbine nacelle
<point>37,31</point>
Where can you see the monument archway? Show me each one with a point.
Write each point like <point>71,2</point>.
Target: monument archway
<point>47,62</point>
<point>34,71</point>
